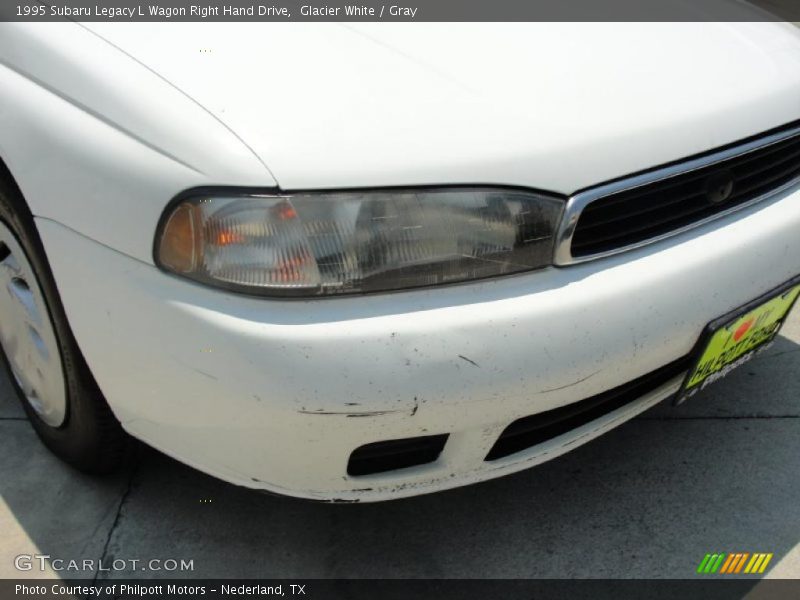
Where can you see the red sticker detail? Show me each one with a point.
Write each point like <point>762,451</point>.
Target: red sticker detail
<point>743,328</point>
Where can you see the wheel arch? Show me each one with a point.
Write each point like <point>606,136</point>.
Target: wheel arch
<point>7,177</point>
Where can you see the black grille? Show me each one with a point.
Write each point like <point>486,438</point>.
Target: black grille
<point>395,454</point>
<point>636,215</point>
<point>530,431</point>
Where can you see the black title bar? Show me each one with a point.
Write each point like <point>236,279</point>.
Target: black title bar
<point>707,588</point>
<point>401,10</point>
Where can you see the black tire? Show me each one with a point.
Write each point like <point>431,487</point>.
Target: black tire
<point>90,437</point>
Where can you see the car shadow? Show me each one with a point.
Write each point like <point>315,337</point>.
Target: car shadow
<point>647,500</point>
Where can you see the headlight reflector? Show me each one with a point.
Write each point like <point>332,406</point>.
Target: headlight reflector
<point>328,243</point>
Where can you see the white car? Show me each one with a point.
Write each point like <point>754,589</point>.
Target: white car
<point>362,262</point>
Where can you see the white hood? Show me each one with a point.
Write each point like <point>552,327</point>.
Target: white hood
<point>551,106</point>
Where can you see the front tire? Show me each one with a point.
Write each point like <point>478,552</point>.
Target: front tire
<point>40,355</point>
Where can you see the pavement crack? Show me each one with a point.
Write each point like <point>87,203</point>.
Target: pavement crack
<point>13,418</point>
<point>775,354</point>
<point>123,499</point>
<point>720,418</point>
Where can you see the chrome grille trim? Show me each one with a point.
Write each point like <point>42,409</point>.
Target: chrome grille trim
<point>579,201</point>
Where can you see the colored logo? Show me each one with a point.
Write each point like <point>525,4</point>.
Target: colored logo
<point>736,563</point>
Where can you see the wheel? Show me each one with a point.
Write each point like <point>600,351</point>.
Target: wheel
<point>53,382</point>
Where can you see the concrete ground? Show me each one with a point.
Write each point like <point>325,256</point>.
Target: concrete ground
<point>650,499</point>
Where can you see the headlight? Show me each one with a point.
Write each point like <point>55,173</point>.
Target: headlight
<point>313,244</point>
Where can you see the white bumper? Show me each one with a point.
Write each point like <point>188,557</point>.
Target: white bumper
<point>265,393</point>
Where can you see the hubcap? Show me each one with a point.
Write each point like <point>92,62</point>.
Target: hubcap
<point>27,335</point>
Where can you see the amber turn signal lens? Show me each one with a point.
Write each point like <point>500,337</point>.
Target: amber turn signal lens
<point>180,241</point>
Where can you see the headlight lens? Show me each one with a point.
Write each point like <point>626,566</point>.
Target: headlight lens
<point>312,244</point>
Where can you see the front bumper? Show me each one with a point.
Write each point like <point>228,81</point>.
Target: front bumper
<point>276,395</point>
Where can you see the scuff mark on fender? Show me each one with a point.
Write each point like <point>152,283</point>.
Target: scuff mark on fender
<point>469,360</point>
<point>563,387</point>
<point>372,413</point>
